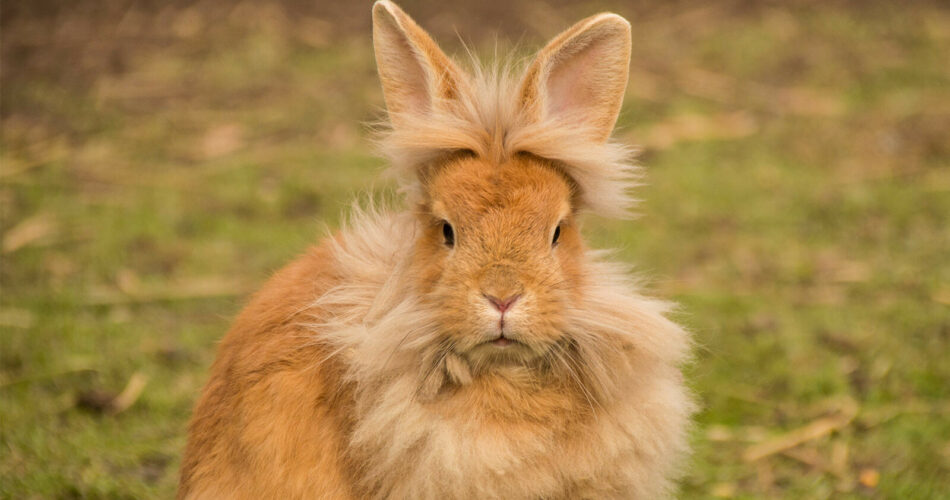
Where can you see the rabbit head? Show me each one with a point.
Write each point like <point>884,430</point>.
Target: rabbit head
<point>497,169</point>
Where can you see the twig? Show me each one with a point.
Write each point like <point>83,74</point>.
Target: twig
<point>814,460</point>
<point>130,394</point>
<point>29,231</point>
<point>200,289</point>
<point>818,428</point>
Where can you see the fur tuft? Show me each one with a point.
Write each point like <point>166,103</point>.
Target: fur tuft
<point>494,123</point>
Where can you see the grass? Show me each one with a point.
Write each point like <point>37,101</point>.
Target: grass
<point>156,167</point>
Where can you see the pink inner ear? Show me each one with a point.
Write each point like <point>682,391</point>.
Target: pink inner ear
<point>416,87</point>
<point>572,83</point>
<point>403,75</point>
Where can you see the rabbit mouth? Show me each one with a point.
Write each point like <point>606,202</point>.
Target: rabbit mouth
<point>502,341</point>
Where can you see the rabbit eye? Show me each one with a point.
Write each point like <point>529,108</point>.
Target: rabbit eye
<point>448,233</point>
<point>557,234</point>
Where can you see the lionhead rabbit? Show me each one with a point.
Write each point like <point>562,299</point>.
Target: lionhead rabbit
<point>471,346</point>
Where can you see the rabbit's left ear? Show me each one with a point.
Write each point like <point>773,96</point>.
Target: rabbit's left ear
<point>416,75</point>
<point>580,77</point>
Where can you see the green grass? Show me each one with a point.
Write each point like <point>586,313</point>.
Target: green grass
<point>797,207</point>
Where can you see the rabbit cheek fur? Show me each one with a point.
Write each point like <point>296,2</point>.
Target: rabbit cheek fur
<point>404,360</point>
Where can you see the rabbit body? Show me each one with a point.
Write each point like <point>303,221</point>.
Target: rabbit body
<point>471,346</point>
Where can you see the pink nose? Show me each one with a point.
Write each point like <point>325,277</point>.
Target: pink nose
<point>503,304</point>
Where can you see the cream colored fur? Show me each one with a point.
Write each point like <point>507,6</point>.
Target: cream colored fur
<point>629,361</point>
<point>497,114</point>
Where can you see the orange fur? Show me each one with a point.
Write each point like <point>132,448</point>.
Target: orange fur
<point>376,366</point>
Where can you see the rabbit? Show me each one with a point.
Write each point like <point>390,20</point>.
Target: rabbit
<point>469,346</point>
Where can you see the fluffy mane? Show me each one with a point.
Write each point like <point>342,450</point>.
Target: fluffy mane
<point>625,359</point>
<point>489,117</point>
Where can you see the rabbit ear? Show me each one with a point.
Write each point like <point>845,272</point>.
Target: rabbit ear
<point>416,75</point>
<point>579,78</point>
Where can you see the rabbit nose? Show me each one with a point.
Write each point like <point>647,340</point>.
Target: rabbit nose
<point>502,304</point>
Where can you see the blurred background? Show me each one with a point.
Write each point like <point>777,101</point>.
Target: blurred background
<point>159,159</point>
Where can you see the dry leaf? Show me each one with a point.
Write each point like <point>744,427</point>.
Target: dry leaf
<point>222,140</point>
<point>765,476</point>
<point>818,428</point>
<point>942,296</point>
<point>188,23</point>
<point>199,288</point>
<point>833,267</point>
<point>17,318</point>
<point>869,477</point>
<point>314,32</point>
<point>808,456</point>
<point>128,282</point>
<point>723,490</point>
<point>719,433</point>
<point>699,128</point>
<point>839,458</point>
<point>808,102</point>
<point>130,394</point>
<point>104,402</point>
<point>29,231</point>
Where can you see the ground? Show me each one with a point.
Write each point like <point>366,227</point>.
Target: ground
<point>159,160</point>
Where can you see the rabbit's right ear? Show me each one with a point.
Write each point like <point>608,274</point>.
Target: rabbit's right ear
<point>579,78</point>
<point>416,75</point>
